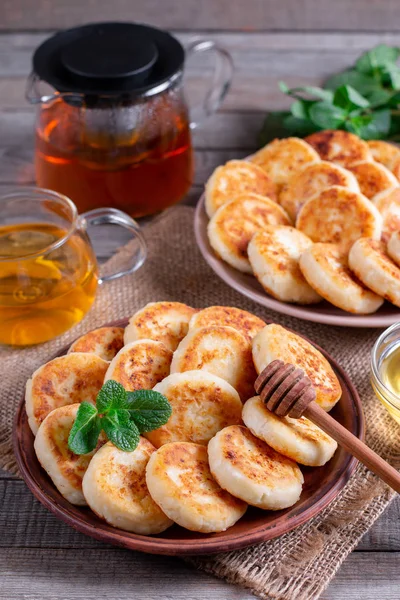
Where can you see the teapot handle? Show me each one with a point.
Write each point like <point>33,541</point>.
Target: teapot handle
<point>222,78</point>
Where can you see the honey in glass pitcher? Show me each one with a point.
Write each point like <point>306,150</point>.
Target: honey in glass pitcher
<point>112,127</point>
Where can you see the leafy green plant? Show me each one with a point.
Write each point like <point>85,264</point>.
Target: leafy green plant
<point>122,415</point>
<point>363,99</point>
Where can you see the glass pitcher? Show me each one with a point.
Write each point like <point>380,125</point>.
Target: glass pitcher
<point>112,126</point>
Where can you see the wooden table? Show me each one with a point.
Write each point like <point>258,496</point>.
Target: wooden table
<point>40,557</point>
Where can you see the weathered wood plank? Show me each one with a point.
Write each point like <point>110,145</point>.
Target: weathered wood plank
<point>210,14</point>
<point>260,62</point>
<point>25,523</point>
<point>115,573</point>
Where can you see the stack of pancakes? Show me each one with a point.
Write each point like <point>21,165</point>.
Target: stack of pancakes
<point>220,451</point>
<point>313,219</point>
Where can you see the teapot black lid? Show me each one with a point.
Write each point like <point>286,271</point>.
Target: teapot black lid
<point>109,58</point>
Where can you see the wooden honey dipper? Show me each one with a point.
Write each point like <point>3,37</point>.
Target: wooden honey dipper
<point>286,390</point>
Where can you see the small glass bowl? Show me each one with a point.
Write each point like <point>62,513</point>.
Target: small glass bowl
<point>382,347</point>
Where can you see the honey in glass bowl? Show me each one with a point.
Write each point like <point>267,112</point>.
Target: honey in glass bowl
<point>385,370</point>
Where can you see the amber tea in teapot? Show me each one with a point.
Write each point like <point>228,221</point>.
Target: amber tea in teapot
<point>114,129</point>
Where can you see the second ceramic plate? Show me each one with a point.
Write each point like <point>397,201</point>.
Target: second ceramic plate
<point>248,286</point>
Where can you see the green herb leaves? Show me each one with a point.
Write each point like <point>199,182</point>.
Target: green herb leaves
<point>122,415</point>
<point>363,100</point>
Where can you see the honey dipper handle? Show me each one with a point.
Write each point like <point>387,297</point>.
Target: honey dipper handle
<point>353,445</point>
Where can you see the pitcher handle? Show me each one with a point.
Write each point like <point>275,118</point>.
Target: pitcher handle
<point>222,78</point>
<point>113,216</point>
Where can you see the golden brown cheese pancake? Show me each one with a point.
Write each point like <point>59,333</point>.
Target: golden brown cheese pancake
<point>388,204</point>
<point>298,439</point>
<point>393,247</point>
<point>180,481</point>
<point>369,260</point>
<point>68,379</point>
<point>202,404</point>
<point>165,322</point>
<point>234,178</point>
<point>251,470</point>
<point>234,224</point>
<point>387,154</point>
<point>105,342</point>
<point>239,319</point>
<point>115,488</point>
<point>274,257</point>
<point>140,365</point>
<point>280,159</point>
<point>64,468</point>
<point>310,182</point>
<point>340,147</point>
<point>373,178</point>
<point>339,216</point>
<point>277,343</point>
<point>325,267</point>
<point>220,350</point>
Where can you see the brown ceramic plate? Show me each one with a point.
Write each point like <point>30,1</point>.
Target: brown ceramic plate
<point>321,486</point>
<point>248,285</point>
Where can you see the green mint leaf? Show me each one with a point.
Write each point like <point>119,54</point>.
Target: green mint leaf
<point>380,56</point>
<point>371,127</point>
<point>299,127</point>
<point>307,90</point>
<point>120,430</point>
<point>111,396</point>
<point>348,98</point>
<point>327,116</point>
<point>380,97</point>
<point>283,87</point>
<point>85,431</point>
<point>359,81</point>
<point>148,409</point>
<point>299,109</point>
<point>392,73</point>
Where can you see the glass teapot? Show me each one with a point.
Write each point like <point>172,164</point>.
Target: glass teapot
<point>113,127</point>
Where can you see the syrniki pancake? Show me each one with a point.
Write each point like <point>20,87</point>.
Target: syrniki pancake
<point>140,365</point>
<point>115,488</point>
<point>387,154</point>
<point>280,159</point>
<point>105,342</point>
<point>180,481</point>
<point>373,178</point>
<point>325,267</point>
<point>275,342</point>
<point>220,350</point>
<point>239,319</point>
<point>251,470</point>
<point>310,182</point>
<point>371,263</point>
<point>298,439</point>
<point>64,468</point>
<point>274,257</point>
<point>393,247</point>
<point>339,216</point>
<point>165,322</point>
<point>202,404</point>
<point>234,178</point>
<point>340,147</point>
<point>388,204</point>
<point>233,225</point>
<point>64,380</point>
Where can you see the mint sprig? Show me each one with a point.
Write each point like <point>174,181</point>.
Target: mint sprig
<point>122,415</point>
<point>363,99</point>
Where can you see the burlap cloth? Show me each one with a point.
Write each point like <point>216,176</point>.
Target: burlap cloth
<point>300,564</point>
